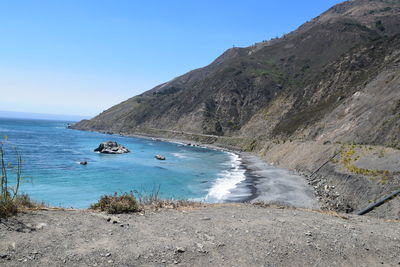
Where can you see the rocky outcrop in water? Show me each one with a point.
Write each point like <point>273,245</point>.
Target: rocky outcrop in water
<point>111,147</point>
<point>159,157</point>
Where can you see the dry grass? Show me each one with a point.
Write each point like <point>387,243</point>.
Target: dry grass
<point>151,200</point>
<point>125,203</point>
<point>7,208</point>
<point>10,207</point>
<point>351,153</point>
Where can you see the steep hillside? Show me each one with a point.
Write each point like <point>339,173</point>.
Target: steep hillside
<point>298,70</point>
<point>355,98</point>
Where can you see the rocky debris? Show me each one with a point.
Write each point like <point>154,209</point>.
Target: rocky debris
<point>40,226</point>
<point>180,250</point>
<point>159,157</point>
<point>5,256</point>
<point>113,220</point>
<point>82,238</point>
<point>190,144</point>
<point>111,147</point>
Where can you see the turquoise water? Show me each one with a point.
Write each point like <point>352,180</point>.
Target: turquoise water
<point>51,155</point>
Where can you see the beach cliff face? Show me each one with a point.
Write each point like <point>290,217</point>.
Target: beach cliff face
<point>329,88</point>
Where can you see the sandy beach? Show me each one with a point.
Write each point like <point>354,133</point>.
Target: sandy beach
<point>276,185</point>
<point>263,183</point>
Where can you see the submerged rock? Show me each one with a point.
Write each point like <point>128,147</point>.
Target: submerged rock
<point>111,147</point>
<point>159,157</point>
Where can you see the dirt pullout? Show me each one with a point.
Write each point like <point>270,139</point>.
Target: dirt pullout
<point>218,235</point>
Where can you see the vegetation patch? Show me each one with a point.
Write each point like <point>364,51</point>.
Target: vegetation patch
<point>349,154</point>
<point>116,204</point>
<point>250,145</point>
<point>145,200</point>
<point>7,186</point>
<point>305,116</point>
<point>11,177</point>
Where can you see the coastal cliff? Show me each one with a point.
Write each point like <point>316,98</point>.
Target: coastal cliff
<point>325,98</point>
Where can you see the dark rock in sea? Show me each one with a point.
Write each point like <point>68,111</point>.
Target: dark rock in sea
<point>83,162</point>
<point>111,147</point>
<point>159,157</point>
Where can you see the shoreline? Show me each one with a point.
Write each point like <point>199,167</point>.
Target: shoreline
<point>262,187</point>
<point>263,182</point>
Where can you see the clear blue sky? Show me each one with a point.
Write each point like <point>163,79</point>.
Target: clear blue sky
<point>83,56</point>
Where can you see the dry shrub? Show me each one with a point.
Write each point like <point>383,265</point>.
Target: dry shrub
<point>7,207</point>
<point>115,204</point>
<point>23,201</point>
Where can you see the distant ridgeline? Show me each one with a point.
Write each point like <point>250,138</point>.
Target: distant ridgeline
<point>333,79</point>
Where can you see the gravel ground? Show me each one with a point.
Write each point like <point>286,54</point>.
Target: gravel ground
<point>279,186</point>
<point>215,235</point>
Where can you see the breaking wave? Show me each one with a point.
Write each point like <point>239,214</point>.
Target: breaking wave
<point>227,181</point>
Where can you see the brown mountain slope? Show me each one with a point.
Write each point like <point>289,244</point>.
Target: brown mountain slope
<point>355,98</point>
<point>228,96</point>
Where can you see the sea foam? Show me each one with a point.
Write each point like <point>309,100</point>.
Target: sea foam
<point>227,181</point>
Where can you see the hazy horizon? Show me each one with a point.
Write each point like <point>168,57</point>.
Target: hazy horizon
<point>77,57</point>
<point>8,114</point>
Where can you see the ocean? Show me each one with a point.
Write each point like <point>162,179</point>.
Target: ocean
<point>51,154</point>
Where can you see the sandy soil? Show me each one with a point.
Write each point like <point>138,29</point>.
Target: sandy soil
<point>218,235</point>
